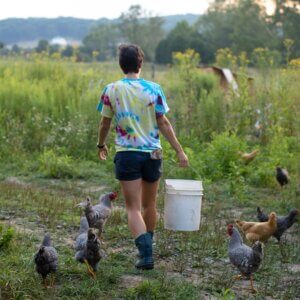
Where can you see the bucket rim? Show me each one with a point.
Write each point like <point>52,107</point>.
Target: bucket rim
<point>183,185</point>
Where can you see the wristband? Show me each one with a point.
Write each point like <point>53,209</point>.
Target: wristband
<point>101,146</point>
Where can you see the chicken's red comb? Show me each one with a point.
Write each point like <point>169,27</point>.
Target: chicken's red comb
<point>229,229</point>
<point>113,195</point>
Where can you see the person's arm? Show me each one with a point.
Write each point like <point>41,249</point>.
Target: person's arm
<point>104,127</point>
<point>166,129</point>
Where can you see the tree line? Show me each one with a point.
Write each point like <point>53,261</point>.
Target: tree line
<point>241,26</point>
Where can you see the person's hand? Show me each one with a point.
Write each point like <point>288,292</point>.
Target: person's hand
<point>102,153</point>
<point>183,159</point>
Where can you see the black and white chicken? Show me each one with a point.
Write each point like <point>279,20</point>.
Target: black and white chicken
<point>46,260</point>
<point>88,247</point>
<point>246,259</point>
<point>282,176</point>
<point>97,215</point>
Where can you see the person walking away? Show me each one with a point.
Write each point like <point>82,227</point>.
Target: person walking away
<point>138,108</point>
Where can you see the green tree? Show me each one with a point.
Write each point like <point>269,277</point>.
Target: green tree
<point>104,39</point>
<point>139,28</point>
<point>1,45</point>
<point>240,27</point>
<point>181,38</point>
<point>68,51</point>
<point>131,26</point>
<point>15,48</point>
<point>43,45</point>
<point>54,48</point>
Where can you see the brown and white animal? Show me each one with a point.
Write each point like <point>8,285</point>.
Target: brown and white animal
<point>97,215</point>
<point>259,231</point>
<point>246,259</point>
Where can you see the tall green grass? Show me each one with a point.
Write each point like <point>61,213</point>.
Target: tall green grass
<point>49,107</point>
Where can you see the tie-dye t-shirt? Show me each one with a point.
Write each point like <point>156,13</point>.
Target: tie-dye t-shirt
<point>134,105</point>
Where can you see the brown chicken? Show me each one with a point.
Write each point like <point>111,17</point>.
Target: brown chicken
<point>259,231</point>
<point>248,157</point>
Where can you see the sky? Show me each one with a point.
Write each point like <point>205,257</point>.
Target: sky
<point>95,9</point>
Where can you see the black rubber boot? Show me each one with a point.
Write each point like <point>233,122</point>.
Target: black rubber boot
<point>152,234</point>
<point>138,254</point>
<point>144,245</point>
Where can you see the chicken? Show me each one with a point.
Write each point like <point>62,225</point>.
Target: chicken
<point>46,260</point>
<point>283,222</point>
<point>282,176</point>
<point>87,246</point>
<point>246,259</point>
<point>248,157</point>
<point>258,231</point>
<point>258,129</point>
<point>97,215</point>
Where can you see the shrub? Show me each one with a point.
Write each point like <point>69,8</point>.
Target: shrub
<point>281,151</point>
<point>221,157</point>
<point>6,236</point>
<point>57,166</point>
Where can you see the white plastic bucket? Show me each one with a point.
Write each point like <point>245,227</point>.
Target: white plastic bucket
<point>183,204</point>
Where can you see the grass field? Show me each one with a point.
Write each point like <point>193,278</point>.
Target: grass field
<point>49,164</point>
<point>188,265</point>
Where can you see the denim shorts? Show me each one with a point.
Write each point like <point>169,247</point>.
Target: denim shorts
<point>132,165</point>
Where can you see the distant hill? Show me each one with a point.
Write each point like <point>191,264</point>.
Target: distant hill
<point>18,31</point>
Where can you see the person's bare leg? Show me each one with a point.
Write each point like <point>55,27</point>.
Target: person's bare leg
<point>132,192</point>
<point>149,192</point>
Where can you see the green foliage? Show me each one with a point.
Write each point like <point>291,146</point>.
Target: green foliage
<point>94,41</point>
<point>220,157</point>
<point>6,235</point>
<point>139,27</point>
<point>241,26</point>
<point>264,58</point>
<point>201,112</point>
<point>55,119</point>
<point>181,38</point>
<point>133,26</point>
<point>145,290</point>
<point>43,46</point>
<point>281,151</point>
<point>57,166</point>
<point>226,59</point>
<point>227,294</point>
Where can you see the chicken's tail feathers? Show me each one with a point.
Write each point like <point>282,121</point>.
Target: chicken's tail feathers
<point>261,216</point>
<point>47,240</point>
<point>258,246</point>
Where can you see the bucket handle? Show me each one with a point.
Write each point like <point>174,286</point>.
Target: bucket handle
<point>176,166</point>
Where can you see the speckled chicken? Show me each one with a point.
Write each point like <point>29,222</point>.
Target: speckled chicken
<point>283,222</point>
<point>246,259</point>
<point>97,215</point>
<point>87,246</point>
<point>256,231</point>
<point>46,260</point>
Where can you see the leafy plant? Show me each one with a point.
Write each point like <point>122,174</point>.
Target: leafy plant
<point>6,236</point>
<point>57,166</point>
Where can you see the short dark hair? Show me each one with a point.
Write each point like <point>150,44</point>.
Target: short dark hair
<point>130,58</point>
